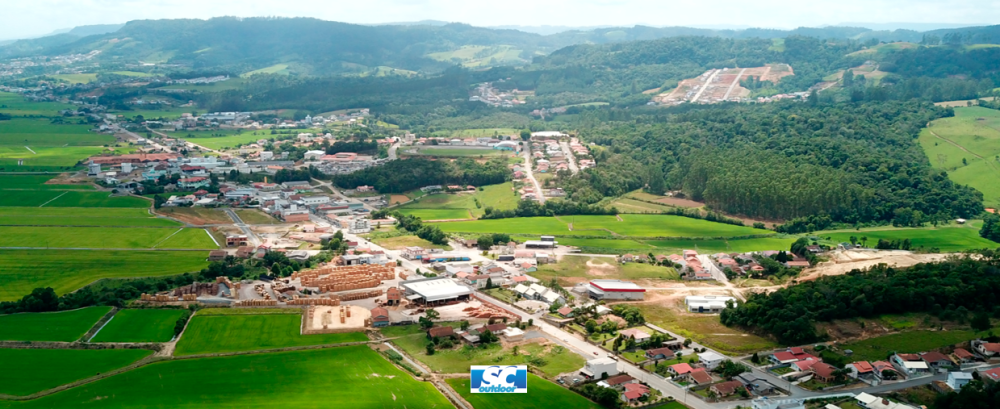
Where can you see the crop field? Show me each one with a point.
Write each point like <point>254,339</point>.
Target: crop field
<point>521,225</point>
<point>63,326</point>
<point>47,159</point>
<point>69,270</point>
<point>103,237</point>
<point>437,214</point>
<point>97,199</point>
<point>299,379</point>
<point>946,238</point>
<point>447,206</point>
<point>76,78</point>
<point>168,112</point>
<point>41,132</point>
<point>541,394</point>
<point>144,325</point>
<point>639,225</point>
<point>737,245</point>
<point>196,215</point>
<point>967,146</point>
<point>228,141</point>
<point>42,369</point>
<point>64,216</point>
<point>36,182</point>
<point>208,334</point>
<point>16,105</point>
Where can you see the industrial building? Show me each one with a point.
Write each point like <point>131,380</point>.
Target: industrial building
<point>434,291</point>
<point>707,303</point>
<point>615,290</point>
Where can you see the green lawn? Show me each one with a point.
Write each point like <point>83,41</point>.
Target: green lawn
<point>978,131</point>
<point>143,325</point>
<point>63,216</point>
<point>64,326</point>
<point>208,334</point>
<point>32,198</point>
<point>635,356</point>
<point>541,394</point>
<point>458,359</point>
<point>317,379</point>
<point>41,132</point>
<point>520,225</point>
<point>879,348</point>
<point>610,244</point>
<point>98,199</point>
<point>36,182</point>
<point>41,369</point>
<point>103,237</point>
<point>945,238</point>
<point>69,270</point>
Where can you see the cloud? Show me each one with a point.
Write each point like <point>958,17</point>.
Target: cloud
<point>38,17</point>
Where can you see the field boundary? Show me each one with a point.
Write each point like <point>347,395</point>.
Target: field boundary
<point>54,198</point>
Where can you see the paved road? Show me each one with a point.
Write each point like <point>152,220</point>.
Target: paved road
<point>531,173</point>
<point>569,157</point>
<point>243,226</point>
<point>735,82</point>
<point>392,151</point>
<point>705,85</point>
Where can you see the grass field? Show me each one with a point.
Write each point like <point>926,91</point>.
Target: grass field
<point>69,270</point>
<point>612,244</point>
<point>705,329</point>
<point>188,239</point>
<point>446,206</point>
<point>973,162</point>
<point>63,216</point>
<point>481,55</point>
<point>36,182</point>
<point>42,369</point>
<point>541,394</point>
<point>230,84</point>
<point>437,214</point>
<point>274,69</point>
<point>738,245</point>
<point>576,267</point>
<point>48,159</point>
<point>521,225</point>
<point>879,348</point>
<point>207,334</point>
<point>300,379</point>
<point>43,133</point>
<point>401,242</point>
<point>453,152</point>
<point>457,360</point>
<point>252,216</point>
<point>97,199</point>
<point>16,105</point>
<point>946,238</point>
<point>76,78</point>
<point>63,326</point>
<point>633,226</point>
<point>133,74</point>
<point>143,325</point>
<point>196,215</point>
<point>104,237</point>
<point>167,112</point>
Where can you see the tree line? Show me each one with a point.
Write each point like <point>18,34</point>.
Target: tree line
<point>408,174</point>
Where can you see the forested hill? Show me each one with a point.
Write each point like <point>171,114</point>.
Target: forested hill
<point>851,162</point>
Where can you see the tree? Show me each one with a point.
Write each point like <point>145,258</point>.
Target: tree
<point>991,227</point>
<point>430,348</point>
<point>425,323</point>
<point>888,374</point>
<point>432,314</point>
<point>854,240</point>
<point>800,246</point>
<point>755,359</point>
<point>864,241</point>
<point>489,283</point>
<point>40,300</point>
<point>981,322</point>
<point>464,325</point>
<point>591,326</point>
<point>687,342</point>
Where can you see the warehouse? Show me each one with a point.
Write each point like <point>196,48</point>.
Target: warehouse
<point>434,291</point>
<point>615,290</point>
<point>707,303</point>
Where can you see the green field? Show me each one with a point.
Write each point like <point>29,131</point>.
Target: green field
<point>104,237</point>
<point>230,140</point>
<point>42,369</point>
<point>36,182</point>
<point>520,225</point>
<point>76,78</point>
<point>738,245</point>
<point>42,133</point>
<point>140,326</point>
<point>274,69</point>
<point>188,239</point>
<point>481,55</point>
<point>453,152</point>
<point>945,238</point>
<point>69,270</point>
<point>133,73</point>
<point>570,267</point>
<point>705,329</point>
<point>300,379</point>
<point>66,326</point>
<point>879,348</point>
<point>448,206</point>
<point>65,216</point>
<point>437,214</point>
<point>541,394</point>
<point>16,105</point>
<point>633,225</point>
<point>231,333</point>
<point>167,112</point>
<point>47,159</point>
<point>97,199</point>
<point>976,132</point>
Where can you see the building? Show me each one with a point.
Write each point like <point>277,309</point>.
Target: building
<point>992,375</point>
<point>963,356</point>
<point>860,370</point>
<point>393,296</point>
<point>988,349</point>
<point>956,380</point>
<point>217,255</point>
<point>768,403</point>
<point>513,334</point>
<point>710,359</point>
<point>453,269</point>
<point>441,332</point>
<point>723,389</point>
<point>867,401</point>
<point>707,303</point>
<point>937,360</point>
<point>615,290</point>
<point>597,368</point>
<point>911,364</point>
<point>824,372</point>
<point>700,376</point>
<point>380,317</point>
<point>634,391</point>
<point>434,290</point>
<point>660,354</point>
<point>755,385</point>
<point>237,240</point>
<point>359,226</point>
<point>638,334</point>
<point>539,244</point>
<point>413,253</point>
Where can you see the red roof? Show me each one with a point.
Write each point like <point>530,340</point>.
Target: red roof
<point>992,347</point>
<point>380,314</point>
<point>620,379</point>
<point>805,365</point>
<point>910,357</point>
<point>700,376</point>
<point>441,332</point>
<point>824,370</point>
<point>194,179</point>
<point>784,356</point>
<point>796,350</point>
<point>934,356</point>
<point>863,366</point>
<point>681,369</point>
<point>633,395</point>
<point>993,374</point>
<point>963,354</point>
<point>728,388</point>
<point>565,311</point>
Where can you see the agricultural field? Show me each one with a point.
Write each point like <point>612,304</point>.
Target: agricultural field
<point>300,379</point>
<point>47,159</point>
<point>69,270</point>
<point>36,182</point>
<point>541,394</point>
<point>96,199</point>
<point>736,245</point>
<point>196,215</point>
<point>457,360</point>
<point>76,78</point>
<point>211,334</point>
<point>639,225</point>
<point>15,105</point>
<point>43,133</point>
<point>143,325</point>
<point>133,74</point>
<point>274,69</point>
<point>42,369</point>
<point>521,225</point>
<point>576,269</point>
<point>449,206</point>
<point>705,329</point>
<point>967,146</point>
<point>946,238</point>
<point>104,237</point>
<point>65,326</point>
<point>222,142</point>
<point>63,216</point>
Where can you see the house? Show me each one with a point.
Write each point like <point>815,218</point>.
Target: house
<point>881,367</point>
<point>393,296</point>
<point>565,312</point>
<point>937,360</point>
<point>680,370</point>
<point>441,332</point>
<point>768,403</point>
<point>988,349</point>
<point>700,376</point>
<point>707,303</point>
<point>710,359</point>
<point>453,269</point>
<point>380,317</point>
<point>636,333</point>
<point>804,365</point>
<point>956,380</point>
<point>992,375</point>
<point>860,370</point>
<point>619,382</point>
<point>413,253</point>
<point>660,354</point>
<point>627,258</point>
<point>217,255</point>
<point>723,389</point>
<point>755,385</point>
<point>867,401</point>
<point>513,334</point>
<point>597,368</point>
<point>911,364</point>
<point>824,372</point>
<point>963,356</point>
<point>792,355</point>
<point>634,391</point>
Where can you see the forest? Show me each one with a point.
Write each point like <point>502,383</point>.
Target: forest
<point>950,290</point>
<point>408,174</point>
<point>853,162</point>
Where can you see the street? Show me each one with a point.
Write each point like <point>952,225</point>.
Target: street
<point>531,174</point>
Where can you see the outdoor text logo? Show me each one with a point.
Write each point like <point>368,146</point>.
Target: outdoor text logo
<point>500,379</point>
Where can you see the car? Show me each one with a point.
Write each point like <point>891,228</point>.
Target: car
<point>596,354</point>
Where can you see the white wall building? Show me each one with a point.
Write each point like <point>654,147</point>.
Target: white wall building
<point>615,290</point>
<point>707,303</point>
<point>596,368</point>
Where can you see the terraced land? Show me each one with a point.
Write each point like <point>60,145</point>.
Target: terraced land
<point>42,369</point>
<point>65,326</point>
<point>70,270</point>
<point>300,379</point>
<point>143,325</point>
<point>231,333</point>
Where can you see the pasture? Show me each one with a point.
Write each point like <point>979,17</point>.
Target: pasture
<point>143,325</point>
<point>97,199</point>
<point>69,270</point>
<point>226,141</point>
<point>231,333</point>
<point>299,379</point>
<point>64,216</point>
<point>65,326</point>
<point>453,152</point>
<point>104,237</point>
<point>42,369</point>
<point>36,182</point>
<point>450,206</point>
<point>15,105</point>
<point>967,146</point>
<point>47,159</point>
<point>437,214</point>
<point>41,132</point>
<point>946,238</point>
<point>703,328</point>
<point>541,394</point>
<point>520,225</point>
<point>878,348</point>
<point>631,226</point>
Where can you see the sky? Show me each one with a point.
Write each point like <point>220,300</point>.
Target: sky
<point>32,18</point>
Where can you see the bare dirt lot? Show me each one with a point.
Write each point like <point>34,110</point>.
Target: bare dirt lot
<point>845,261</point>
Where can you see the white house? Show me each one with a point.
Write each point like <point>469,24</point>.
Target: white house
<point>453,269</point>
<point>865,400</point>
<point>596,368</point>
<point>956,380</point>
<point>707,303</point>
<point>710,359</point>
<point>360,225</point>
